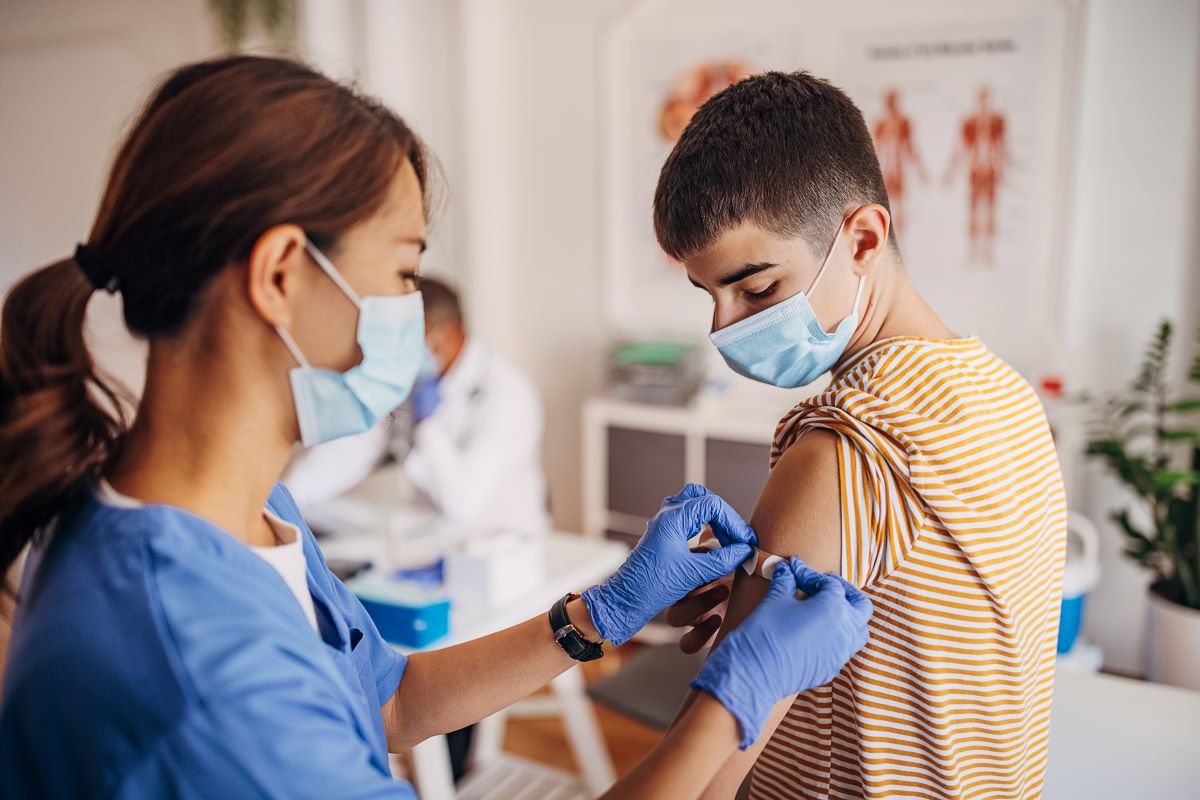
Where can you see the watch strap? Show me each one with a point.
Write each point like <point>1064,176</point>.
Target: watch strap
<point>567,637</point>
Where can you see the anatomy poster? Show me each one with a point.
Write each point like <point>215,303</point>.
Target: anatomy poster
<point>967,125</point>
<point>659,76</point>
<point>972,107</point>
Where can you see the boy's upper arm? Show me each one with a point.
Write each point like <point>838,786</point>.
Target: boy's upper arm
<point>799,511</point>
<point>798,514</point>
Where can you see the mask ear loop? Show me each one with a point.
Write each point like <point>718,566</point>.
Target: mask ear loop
<point>330,270</point>
<point>832,246</point>
<point>862,279</point>
<point>291,345</point>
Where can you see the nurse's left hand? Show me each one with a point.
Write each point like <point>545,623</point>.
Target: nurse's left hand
<point>786,645</point>
<point>661,569</point>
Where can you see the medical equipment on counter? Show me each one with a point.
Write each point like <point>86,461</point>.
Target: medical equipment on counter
<point>405,613</point>
<point>391,538</point>
<point>654,371</point>
<point>495,569</point>
<point>430,575</point>
<point>476,568</point>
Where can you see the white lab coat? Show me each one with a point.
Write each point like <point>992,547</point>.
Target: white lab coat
<point>476,459</point>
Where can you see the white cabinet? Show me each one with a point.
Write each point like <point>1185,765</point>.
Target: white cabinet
<point>636,454</point>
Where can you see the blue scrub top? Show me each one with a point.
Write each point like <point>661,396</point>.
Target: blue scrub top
<point>155,655</point>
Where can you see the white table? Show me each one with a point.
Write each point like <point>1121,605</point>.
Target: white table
<point>1119,738</point>
<point>573,563</point>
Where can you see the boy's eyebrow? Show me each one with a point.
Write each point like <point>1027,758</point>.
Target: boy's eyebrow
<point>745,272</point>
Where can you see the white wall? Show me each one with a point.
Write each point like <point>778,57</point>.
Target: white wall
<point>1135,254</point>
<point>535,236</point>
<point>74,73</point>
<point>72,76</point>
<point>409,57</point>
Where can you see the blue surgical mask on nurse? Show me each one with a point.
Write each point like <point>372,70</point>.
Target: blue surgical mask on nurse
<point>391,335</point>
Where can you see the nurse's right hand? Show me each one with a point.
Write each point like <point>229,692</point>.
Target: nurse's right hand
<point>786,645</point>
<point>661,569</point>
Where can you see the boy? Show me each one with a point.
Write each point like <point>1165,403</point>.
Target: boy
<point>924,474</point>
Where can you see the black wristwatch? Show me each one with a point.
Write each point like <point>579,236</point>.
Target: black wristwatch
<point>567,637</point>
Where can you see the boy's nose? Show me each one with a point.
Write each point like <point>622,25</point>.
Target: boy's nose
<point>724,315</point>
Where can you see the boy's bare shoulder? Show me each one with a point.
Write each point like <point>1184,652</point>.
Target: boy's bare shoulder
<point>799,512</point>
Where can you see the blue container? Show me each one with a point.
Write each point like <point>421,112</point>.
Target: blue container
<point>1080,575</point>
<point>406,614</point>
<point>1070,622</point>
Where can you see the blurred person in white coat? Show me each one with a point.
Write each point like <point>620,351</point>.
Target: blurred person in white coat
<point>468,439</point>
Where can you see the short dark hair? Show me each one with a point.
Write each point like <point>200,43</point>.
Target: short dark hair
<point>441,302</point>
<point>786,151</point>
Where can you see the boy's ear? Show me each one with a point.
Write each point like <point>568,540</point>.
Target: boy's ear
<point>869,227</point>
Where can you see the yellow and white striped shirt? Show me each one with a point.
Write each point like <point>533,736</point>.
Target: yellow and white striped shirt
<point>954,522</point>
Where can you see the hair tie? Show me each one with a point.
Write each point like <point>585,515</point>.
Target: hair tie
<point>95,272</point>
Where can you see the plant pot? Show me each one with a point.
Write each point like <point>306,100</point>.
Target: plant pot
<point>1172,643</point>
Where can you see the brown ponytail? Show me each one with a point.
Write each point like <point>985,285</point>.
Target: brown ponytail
<point>54,435</point>
<point>224,150</point>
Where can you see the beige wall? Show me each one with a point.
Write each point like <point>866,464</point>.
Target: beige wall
<point>72,75</point>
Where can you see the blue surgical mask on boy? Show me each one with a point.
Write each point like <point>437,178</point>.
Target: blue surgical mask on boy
<point>785,345</point>
<point>391,335</point>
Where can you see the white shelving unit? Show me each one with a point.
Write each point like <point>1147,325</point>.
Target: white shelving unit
<point>720,441</point>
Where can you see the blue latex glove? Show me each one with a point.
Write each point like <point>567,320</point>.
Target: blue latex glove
<point>786,645</point>
<point>426,395</point>
<point>728,525</point>
<point>661,569</point>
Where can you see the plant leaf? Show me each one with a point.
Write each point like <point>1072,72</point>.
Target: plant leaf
<point>1132,407</point>
<point>1122,519</point>
<point>1184,406</point>
<point>1194,374</point>
<point>1138,546</point>
<point>1169,479</point>
<point>1154,364</point>
<point>1134,470</point>
<point>231,16</point>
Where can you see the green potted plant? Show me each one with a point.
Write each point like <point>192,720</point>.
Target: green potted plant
<point>237,20</point>
<point>1149,438</point>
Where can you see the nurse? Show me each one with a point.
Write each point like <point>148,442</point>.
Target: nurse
<point>178,633</point>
